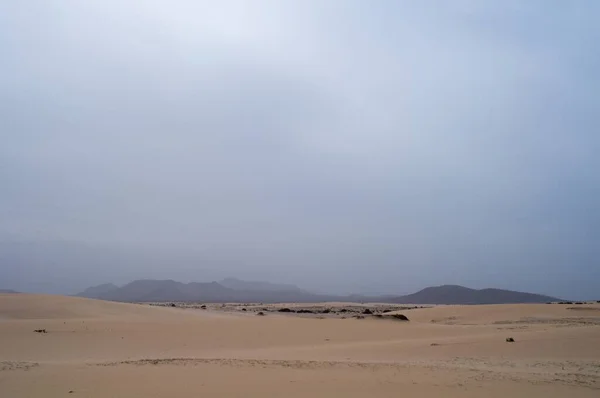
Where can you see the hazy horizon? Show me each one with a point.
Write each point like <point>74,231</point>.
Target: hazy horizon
<point>342,146</point>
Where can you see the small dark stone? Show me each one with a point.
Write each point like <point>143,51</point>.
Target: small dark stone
<point>203,307</point>
<point>243,309</point>
<point>510,340</point>
<point>260,313</point>
<point>400,317</point>
<point>173,305</point>
<point>367,312</point>
<point>40,331</point>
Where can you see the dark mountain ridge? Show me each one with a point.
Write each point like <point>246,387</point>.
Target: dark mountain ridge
<point>454,294</point>
<point>148,290</point>
<point>98,291</point>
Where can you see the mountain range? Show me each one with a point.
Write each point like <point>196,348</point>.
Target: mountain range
<point>453,294</point>
<point>235,290</point>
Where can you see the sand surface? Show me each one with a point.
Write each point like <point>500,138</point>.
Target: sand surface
<point>103,349</point>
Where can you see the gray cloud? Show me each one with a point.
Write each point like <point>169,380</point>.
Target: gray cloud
<point>344,146</point>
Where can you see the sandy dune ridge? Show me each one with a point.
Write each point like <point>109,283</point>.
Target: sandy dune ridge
<point>97,349</point>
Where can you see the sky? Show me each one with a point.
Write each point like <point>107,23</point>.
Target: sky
<point>344,146</point>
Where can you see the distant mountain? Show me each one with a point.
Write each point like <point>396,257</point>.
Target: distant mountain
<point>169,290</point>
<point>453,294</point>
<point>8,291</point>
<point>237,284</point>
<point>98,291</point>
<point>157,290</point>
<point>234,290</point>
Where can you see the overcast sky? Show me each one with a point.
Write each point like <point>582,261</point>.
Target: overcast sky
<point>345,146</point>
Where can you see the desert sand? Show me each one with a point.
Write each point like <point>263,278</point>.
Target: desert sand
<point>104,349</point>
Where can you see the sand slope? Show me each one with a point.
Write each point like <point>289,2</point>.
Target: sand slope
<point>99,349</point>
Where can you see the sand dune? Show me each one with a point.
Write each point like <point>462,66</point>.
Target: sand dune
<point>30,306</point>
<point>97,349</point>
<point>503,313</point>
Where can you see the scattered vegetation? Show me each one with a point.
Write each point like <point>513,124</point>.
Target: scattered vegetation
<point>40,331</point>
<point>351,309</point>
<point>398,317</point>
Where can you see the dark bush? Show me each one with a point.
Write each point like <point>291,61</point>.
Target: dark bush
<point>510,340</point>
<point>367,312</point>
<point>285,310</point>
<point>260,313</point>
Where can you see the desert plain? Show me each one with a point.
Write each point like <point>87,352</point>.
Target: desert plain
<point>94,348</point>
